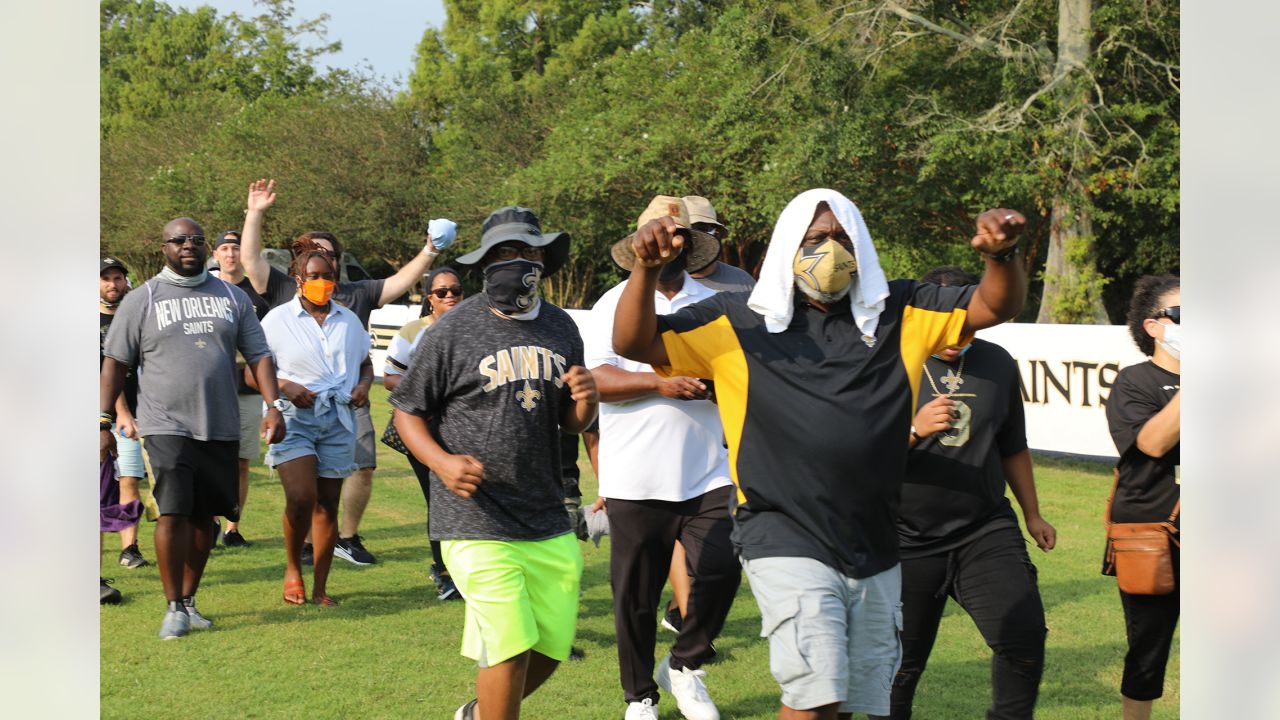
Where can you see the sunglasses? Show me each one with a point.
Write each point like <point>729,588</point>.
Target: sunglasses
<point>455,291</point>
<point>511,253</point>
<point>181,240</point>
<point>1173,313</point>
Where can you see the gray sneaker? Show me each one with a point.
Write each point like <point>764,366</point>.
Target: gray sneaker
<point>197,621</point>
<point>176,624</point>
<point>467,711</point>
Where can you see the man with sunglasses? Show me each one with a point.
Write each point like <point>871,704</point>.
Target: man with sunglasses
<point>719,276</point>
<point>482,405</point>
<point>180,332</point>
<point>361,297</point>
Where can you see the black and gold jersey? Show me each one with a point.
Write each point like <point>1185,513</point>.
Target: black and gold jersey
<point>954,489</point>
<point>817,416</point>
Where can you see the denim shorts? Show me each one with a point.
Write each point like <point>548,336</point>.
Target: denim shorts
<point>324,437</point>
<point>128,456</point>
<point>832,638</point>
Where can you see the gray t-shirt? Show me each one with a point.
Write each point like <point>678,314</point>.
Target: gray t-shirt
<point>360,297</point>
<point>493,390</point>
<point>183,343</point>
<point>727,278</point>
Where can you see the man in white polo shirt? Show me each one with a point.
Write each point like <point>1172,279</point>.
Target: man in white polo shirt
<point>664,470</point>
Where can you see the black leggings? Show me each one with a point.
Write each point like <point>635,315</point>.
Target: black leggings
<point>1149,622</point>
<point>423,473</point>
<point>994,581</point>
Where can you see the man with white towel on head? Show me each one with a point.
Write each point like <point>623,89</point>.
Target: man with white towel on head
<point>816,375</point>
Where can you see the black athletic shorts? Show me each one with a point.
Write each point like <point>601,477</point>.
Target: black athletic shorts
<point>195,477</point>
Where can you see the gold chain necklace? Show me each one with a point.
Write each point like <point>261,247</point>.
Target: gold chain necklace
<point>952,381</point>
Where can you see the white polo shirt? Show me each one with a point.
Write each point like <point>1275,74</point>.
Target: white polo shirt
<point>654,448</point>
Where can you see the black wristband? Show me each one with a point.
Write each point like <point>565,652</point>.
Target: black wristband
<point>1005,255</point>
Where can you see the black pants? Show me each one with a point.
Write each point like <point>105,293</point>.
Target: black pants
<point>994,581</point>
<point>1149,622</point>
<point>642,535</point>
<point>423,473</point>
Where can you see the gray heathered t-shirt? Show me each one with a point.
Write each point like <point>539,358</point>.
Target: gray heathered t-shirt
<point>727,278</point>
<point>183,342</point>
<point>493,387</point>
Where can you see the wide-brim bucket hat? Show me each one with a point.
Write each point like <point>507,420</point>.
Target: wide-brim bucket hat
<point>520,224</point>
<point>701,249</point>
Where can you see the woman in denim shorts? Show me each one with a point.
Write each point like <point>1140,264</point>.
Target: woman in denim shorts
<point>322,362</point>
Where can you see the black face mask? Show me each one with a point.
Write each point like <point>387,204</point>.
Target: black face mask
<point>512,286</point>
<point>673,269</point>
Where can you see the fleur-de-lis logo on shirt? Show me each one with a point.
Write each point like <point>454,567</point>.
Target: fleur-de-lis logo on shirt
<point>528,397</point>
<point>952,381</point>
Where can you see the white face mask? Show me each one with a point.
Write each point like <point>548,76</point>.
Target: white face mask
<point>1172,342</point>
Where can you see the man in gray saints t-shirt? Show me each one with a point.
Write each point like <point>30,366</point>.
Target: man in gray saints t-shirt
<point>180,332</point>
<point>482,403</point>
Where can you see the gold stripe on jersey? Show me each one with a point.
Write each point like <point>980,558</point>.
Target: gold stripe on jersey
<point>717,341</point>
<point>918,327</point>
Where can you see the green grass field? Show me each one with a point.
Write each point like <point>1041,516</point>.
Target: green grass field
<point>391,650</point>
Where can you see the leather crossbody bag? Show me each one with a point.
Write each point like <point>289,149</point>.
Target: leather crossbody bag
<point>1139,554</point>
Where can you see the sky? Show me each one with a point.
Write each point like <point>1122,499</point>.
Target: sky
<point>380,33</point>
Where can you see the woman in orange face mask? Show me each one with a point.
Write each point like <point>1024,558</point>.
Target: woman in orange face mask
<point>322,363</point>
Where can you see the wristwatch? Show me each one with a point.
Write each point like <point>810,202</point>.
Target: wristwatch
<point>280,404</point>
<point>1004,256</point>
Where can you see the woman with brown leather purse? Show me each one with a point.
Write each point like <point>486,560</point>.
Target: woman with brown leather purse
<point>1143,415</point>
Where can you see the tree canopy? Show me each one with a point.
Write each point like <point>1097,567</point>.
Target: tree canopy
<point>923,113</point>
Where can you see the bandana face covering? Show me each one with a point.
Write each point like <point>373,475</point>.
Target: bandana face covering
<point>824,272</point>
<point>512,286</point>
<point>318,292</point>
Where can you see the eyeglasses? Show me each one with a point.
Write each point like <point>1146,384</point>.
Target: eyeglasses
<point>180,240</point>
<point>455,291</point>
<point>511,253</point>
<point>1173,313</point>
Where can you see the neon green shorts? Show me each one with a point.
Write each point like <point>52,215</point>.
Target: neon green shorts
<point>520,594</point>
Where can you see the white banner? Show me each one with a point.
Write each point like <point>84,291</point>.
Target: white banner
<point>1066,374</point>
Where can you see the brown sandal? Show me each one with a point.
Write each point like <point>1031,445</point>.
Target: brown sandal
<point>295,593</point>
<point>324,600</point>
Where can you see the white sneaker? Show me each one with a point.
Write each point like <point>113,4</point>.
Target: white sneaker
<point>688,689</point>
<point>643,710</point>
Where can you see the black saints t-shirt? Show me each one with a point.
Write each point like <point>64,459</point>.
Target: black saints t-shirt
<point>1148,488</point>
<point>280,290</point>
<point>493,388</point>
<point>130,379</point>
<point>955,485</point>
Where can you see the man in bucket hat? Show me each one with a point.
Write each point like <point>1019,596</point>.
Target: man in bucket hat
<point>816,374</point>
<point>719,276</point>
<point>665,472</point>
<point>482,403</point>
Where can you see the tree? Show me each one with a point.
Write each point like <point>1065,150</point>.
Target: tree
<point>1084,123</point>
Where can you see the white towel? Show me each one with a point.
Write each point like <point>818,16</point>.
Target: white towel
<point>772,297</point>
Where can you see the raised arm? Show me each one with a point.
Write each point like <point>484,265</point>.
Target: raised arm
<point>1003,289</point>
<point>440,235</point>
<point>399,284</point>
<point>262,195</point>
<point>635,323</point>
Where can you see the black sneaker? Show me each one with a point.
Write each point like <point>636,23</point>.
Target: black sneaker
<point>110,595</point>
<point>308,554</point>
<point>576,654</point>
<point>233,538</point>
<point>445,589</point>
<point>352,550</point>
<point>131,557</point>
<point>672,620</point>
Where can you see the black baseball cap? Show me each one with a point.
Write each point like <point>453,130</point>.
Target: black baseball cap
<point>110,262</point>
